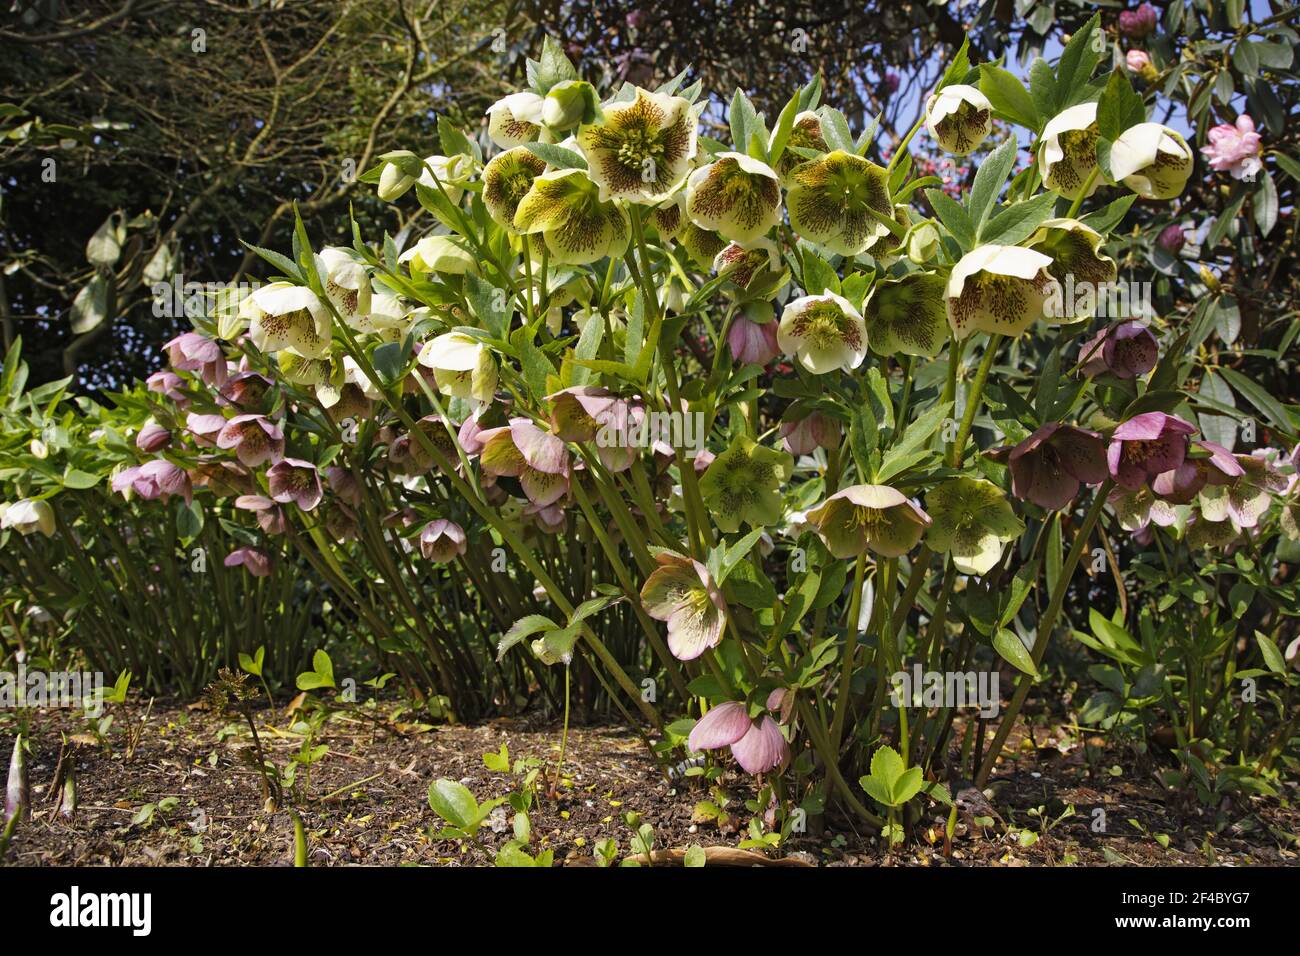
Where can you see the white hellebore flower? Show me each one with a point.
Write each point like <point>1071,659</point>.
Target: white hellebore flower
<point>735,195</point>
<point>451,171</point>
<point>998,289</point>
<point>824,332</point>
<point>640,151</point>
<point>578,227</point>
<point>463,367</point>
<point>1068,152</point>
<point>287,316</point>
<point>26,516</point>
<point>515,120</point>
<point>959,117</point>
<point>347,285</point>
<point>442,255</point>
<point>1152,160</point>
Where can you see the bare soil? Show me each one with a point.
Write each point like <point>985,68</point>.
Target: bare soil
<point>366,801</point>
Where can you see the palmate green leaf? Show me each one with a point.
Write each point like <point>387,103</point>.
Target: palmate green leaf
<point>835,127</point>
<point>743,120</point>
<point>522,629</point>
<point>958,68</point>
<point>1009,97</point>
<point>989,179</point>
<point>1042,88</point>
<point>1012,650</point>
<point>557,156</point>
<point>1018,221</point>
<point>953,217</point>
<point>1111,215</point>
<point>1258,396</point>
<point>1078,61</point>
<point>1119,106</point>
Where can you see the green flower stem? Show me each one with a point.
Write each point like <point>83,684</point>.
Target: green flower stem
<point>493,518</point>
<point>850,651</point>
<point>901,148</point>
<point>1087,188</point>
<point>973,401</point>
<point>1045,625</point>
<point>830,760</point>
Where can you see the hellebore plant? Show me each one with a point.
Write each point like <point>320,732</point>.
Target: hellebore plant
<point>516,394</point>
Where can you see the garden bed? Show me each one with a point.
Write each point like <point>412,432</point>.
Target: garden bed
<point>217,818</point>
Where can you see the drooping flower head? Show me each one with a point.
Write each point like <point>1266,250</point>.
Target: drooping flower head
<point>27,516</point>
<point>825,332</point>
<point>1243,498</point>
<point>442,541</point>
<point>873,518</point>
<point>463,367</point>
<point>999,290</point>
<point>837,201</point>
<point>753,343</point>
<point>515,120</point>
<point>906,316</point>
<point>506,180</point>
<point>806,133</point>
<point>564,207</point>
<point>587,413</point>
<point>1048,466</point>
<point>1126,350</point>
<point>681,592</point>
<point>1067,153</point>
<point>1146,445</point>
<point>640,151</point>
<point>755,268</point>
<point>347,285</point>
<point>804,435</point>
<point>1235,148</point>
<point>1206,464</point>
<point>294,480</point>
<point>744,484</point>
<point>737,196</point>
<point>191,352</point>
<point>536,457</point>
<point>440,255</point>
<point>703,245</point>
<point>153,480</point>
<point>1139,508</point>
<point>1152,160</point>
<point>255,562</point>
<point>1075,250</point>
<point>972,520</point>
<point>152,437</point>
<point>286,316</point>
<point>757,744</point>
<point>255,438</point>
<point>959,117</point>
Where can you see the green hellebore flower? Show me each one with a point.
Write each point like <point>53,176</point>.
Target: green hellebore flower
<point>999,290</point>
<point>1068,151</point>
<point>806,133</point>
<point>873,518</point>
<point>640,151</point>
<point>1152,160</point>
<point>906,316</point>
<point>973,521</point>
<point>565,208</point>
<point>735,195</point>
<point>744,484</point>
<point>1075,249</point>
<point>836,202</point>
<point>959,117</point>
<point>506,180</point>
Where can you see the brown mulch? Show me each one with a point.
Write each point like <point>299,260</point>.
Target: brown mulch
<point>611,786</point>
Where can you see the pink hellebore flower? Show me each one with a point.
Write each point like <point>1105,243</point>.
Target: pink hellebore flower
<point>1180,485</point>
<point>1138,23</point>
<point>255,438</point>
<point>1126,350</point>
<point>292,479</point>
<point>588,413</point>
<point>752,343</point>
<point>442,540</point>
<point>167,383</point>
<point>804,436</point>
<point>470,436</point>
<point>1146,445</point>
<point>537,458</point>
<point>758,745</point>
<point>204,427</point>
<point>270,516</point>
<point>1234,149</point>
<point>192,352</point>
<point>1048,466</point>
<point>152,437</point>
<point>154,479</point>
<point>344,484</point>
<point>257,563</point>
<point>245,390</point>
<point>682,592</point>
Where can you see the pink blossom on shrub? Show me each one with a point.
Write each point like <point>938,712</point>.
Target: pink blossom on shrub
<point>1234,149</point>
